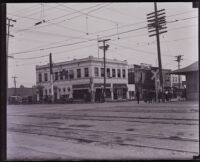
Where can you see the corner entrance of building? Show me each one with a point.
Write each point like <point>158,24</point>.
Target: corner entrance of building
<point>81,94</point>
<point>119,91</point>
<point>99,94</point>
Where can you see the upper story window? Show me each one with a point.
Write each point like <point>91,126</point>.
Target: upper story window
<point>124,73</point>
<point>86,72</point>
<point>78,73</point>
<point>113,73</point>
<point>96,71</point>
<point>61,75</point>
<point>56,75</point>
<point>45,77</point>
<point>71,74</point>
<point>40,77</point>
<point>66,74</point>
<point>119,73</point>
<point>102,72</point>
<point>108,72</point>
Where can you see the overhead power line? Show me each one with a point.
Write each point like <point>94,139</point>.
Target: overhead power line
<point>120,27</point>
<point>94,39</point>
<point>33,26</point>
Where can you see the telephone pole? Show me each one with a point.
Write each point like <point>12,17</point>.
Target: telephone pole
<point>51,77</point>
<point>105,48</point>
<point>98,44</point>
<point>178,59</point>
<point>156,23</point>
<point>8,33</point>
<point>15,84</point>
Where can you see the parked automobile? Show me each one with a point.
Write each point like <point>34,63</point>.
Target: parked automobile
<point>14,100</point>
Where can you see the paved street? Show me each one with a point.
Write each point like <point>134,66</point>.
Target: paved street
<point>123,130</point>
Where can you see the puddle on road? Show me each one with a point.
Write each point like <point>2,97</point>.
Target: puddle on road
<point>130,129</point>
<point>174,137</point>
<point>81,125</point>
<point>84,140</point>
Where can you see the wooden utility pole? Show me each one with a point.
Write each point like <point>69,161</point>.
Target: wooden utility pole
<point>157,22</point>
<point>105,48</point>
<point>98,44</point>
<point>179,77</point>
<point>51,77</point>
<point>8,32</point>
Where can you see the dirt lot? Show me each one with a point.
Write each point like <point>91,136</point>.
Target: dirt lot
<point>123,130</point>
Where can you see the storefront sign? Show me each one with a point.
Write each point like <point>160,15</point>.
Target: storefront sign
<point>99,85</point>
<point>81,86</point>
<point>119,86</point>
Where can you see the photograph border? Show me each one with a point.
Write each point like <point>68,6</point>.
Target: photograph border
<point>3,67</point>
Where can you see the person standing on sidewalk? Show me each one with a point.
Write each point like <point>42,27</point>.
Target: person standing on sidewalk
<point>138,96</point>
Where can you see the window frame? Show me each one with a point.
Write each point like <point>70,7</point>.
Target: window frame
<point>108,72</point>
<point>46,77</point>
<point>114,73</point>
<point>123,73</point>
<point>118,73</point>
<point>96,69</point>
<point>56,76</point>
<point>102,72</point>
<point>78,73</point>
<point>40,77</point>
<point>86,72</point>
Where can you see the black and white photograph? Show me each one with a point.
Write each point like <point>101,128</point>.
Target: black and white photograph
<point>102,81</point>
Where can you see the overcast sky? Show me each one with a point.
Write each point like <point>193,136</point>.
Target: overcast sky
<point>64,34</point>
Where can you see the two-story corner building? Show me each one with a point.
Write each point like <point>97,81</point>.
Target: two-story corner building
<point>83,79</point>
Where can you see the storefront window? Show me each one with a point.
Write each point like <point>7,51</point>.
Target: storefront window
<point>45,91</point>
<point>108,93</point>
<point>86,72</point>
<point>78,73</point>
<point>96,71</point>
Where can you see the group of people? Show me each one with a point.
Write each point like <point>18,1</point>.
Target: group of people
<point>150,96</point>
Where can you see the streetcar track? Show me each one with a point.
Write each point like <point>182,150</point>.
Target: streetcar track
<point>142,110</point>
<point>54,115</point>
<point>113,132</point>
<point>129,121</point>
<point>134,145</point>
